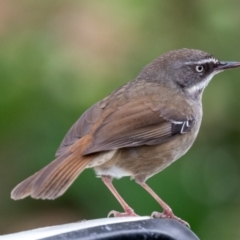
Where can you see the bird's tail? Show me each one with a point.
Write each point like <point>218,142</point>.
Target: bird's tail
<point>54,179</point>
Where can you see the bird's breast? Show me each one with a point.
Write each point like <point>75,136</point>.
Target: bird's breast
<point>145,161</point>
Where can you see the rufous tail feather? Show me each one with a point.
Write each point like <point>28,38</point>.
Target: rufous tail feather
<point>54,179</point>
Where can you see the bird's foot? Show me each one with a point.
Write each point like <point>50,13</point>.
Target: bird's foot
<point>169,214</point>
<point>127,213</point>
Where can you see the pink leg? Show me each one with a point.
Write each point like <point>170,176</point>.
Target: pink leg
<point>128,211</point>
<point>167,211</point>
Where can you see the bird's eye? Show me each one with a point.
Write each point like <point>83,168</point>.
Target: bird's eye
<point>199,68</point>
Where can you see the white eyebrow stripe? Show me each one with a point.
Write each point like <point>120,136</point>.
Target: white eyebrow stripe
<point>209,60</point>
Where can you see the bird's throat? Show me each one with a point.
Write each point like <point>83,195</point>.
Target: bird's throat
<point>196,90</point>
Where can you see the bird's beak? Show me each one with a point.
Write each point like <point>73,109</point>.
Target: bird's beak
<point>227,65</point>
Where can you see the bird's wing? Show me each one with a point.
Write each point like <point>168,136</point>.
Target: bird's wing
<point>82,126</point>
<point>138,123</point>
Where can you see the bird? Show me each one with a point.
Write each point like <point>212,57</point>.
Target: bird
<point>137,131</point>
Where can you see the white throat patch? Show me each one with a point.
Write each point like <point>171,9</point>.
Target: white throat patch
<point>201,85</point>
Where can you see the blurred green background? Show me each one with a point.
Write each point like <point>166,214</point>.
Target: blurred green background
<point>57,58</point>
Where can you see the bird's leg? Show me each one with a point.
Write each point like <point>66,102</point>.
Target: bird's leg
<point>128,211</point>
<point>167,211</point>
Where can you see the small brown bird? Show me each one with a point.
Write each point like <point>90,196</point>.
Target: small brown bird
<point>137,131</point>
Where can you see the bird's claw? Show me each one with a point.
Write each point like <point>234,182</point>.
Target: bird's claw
<point>128,213</point>
<point>169,215</point>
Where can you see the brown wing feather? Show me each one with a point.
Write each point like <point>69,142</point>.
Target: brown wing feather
<point>135,124</point>
<point>83,125</point>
